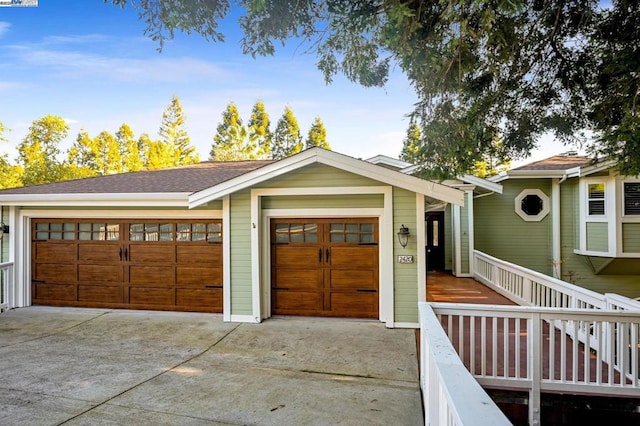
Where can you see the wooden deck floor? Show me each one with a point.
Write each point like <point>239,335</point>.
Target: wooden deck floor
<point>444,287</point>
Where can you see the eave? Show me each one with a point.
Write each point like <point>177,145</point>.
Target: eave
<point>173,199</point>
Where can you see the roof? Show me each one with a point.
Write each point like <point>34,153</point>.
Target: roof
<point>557,162</point>
<point>184,179</point>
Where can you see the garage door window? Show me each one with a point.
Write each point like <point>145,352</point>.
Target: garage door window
<point>209,232</point>
<point>98,231</point>
<point>359,233</point>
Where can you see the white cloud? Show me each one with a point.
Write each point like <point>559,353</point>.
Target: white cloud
<point>75,64</point>
<point>77,39</point>
<point>5,86</point>
<point>4,27</point>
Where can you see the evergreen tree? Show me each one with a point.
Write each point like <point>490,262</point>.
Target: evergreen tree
<point>231,141</point>
<point>129,149</point>
<point>411,144</point>
<point>286,139</point>
<point>39,151</point>
<point>317,135</point>
<point>100,155</point>
<point>157,154</point>
<point>259,132</point>
<point>173,133</point>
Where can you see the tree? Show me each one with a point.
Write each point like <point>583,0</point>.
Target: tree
<point>482,70</point>
<point>39,151</point>
<point>156,154</point>
<point>232,141</point>
<point>173,133</point>
<point>411,144</point>
<point>101,155</point>
<point>286,138</point>
<point>129,149</point>
<point>10,175</point>
<point>259,132</point>
<point>317,135</point>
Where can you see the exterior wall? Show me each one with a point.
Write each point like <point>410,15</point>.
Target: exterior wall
<point>327,202</point>
<point>240,241</point>
<point>597,236</point>
<point>578,269</point>
<point>631,237</point>
<point>448,236</point>
<point>500,232</point>
<point>317,175</point>
<point>405,274</point>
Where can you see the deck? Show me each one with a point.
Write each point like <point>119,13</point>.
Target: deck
<point>467,337</point>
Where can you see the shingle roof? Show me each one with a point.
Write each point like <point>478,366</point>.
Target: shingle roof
<point>557,162</point>
<point>186,179</point>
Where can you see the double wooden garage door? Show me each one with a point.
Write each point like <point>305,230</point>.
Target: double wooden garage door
<point>325,267</point>
<point>140,264</point>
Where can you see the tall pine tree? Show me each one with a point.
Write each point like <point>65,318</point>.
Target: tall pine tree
<point>317,135</point>
<point>173,133</point>
<point>286,138</point>
<point>259,132</point>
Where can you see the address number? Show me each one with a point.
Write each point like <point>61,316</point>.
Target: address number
<point>405,259</point>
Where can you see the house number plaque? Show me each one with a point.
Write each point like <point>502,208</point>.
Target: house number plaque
<point>405,259</point>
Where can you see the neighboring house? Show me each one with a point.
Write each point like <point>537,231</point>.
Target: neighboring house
<point>314,234</point>
<point>569,217</point>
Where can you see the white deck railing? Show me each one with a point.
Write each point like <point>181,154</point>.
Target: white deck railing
<point>451,395</point>
<point>527,287</point>
<point>6,280</point>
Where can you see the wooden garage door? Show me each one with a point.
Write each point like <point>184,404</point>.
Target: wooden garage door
<point>163,265</point>
<point>325,267</point>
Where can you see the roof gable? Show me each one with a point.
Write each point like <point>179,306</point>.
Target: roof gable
<point>321,156</point>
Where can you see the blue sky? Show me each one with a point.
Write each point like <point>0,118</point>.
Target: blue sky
<point>90,63</point>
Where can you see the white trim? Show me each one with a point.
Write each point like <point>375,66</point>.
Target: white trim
<point>389,161</point>
<point>407,325</point>
<point>255,257</point>
<point>159,199</point>
<point>333,159</point>
<point>556,253</point>
<point>226,259</point>
<point>244,318</point>
<point>546,208</point>
<point>470,231</point>
<point>421,269</point>
<point>482,183</point>
<point>263,248</point>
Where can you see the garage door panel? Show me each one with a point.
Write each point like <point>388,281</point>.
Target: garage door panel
<point>55,252</point>
<point>55,272</point>
<point>354,279</point>
<point>363,256</point>
<point>62,292</point>
<point>299,279</point>
<point>206,298</point>
<point>152,296</point>
<point>160,276</point>
<point>297,301</point>
<point>198,276</point>
<point>104,294</point>
<point>297,256</point>
<point>100,273</point>
<point>363,305</point>
<point>152,253</point>
<point>103,253</point>
<point>210,254</point>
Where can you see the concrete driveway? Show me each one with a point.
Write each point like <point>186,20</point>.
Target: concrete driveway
<point>97,366</point>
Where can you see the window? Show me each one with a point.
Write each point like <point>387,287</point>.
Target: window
<point>632,198</point>
<point>532,205</point>
<point>595,199</point>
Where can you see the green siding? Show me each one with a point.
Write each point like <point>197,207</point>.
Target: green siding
<point>324,201</point>
<point>405,274</point>
<point>240,240</point>
<point>631,237</point>
<point>500,232</point>
<point>448,240</point>
<point>597,239</point>
<point>318,175</point>
<point>464,237</point>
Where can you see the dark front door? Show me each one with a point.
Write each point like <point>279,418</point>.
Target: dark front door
<point>435,241</point>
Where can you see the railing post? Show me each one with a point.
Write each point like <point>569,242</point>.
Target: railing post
<point>534,337</point>
<point>526,290</point>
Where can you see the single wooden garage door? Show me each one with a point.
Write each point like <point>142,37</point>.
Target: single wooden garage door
<point>138,264</point>
<point>325,267</point>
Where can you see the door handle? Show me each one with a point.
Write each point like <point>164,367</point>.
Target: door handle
<point>319,255</point>
<point>126,254</point>
<point>366,290</point>
<point>120,253</point>
<point>212,286</point>
<point>327,255</point>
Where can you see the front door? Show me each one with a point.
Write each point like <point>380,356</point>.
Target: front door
<point>435,241</point>
<point>324,267</point>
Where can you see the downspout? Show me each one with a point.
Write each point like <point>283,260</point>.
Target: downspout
<point>556,239</point>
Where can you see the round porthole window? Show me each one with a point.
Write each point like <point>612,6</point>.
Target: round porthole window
<point>532,205</point>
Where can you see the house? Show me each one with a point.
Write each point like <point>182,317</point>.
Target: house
<point>567,216</point>
<point>314,234</point>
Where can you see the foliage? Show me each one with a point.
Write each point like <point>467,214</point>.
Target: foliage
<point>411,145</point>
<point>10,175</point>
<point>173,133</point>
<point>39,151</point>
<point>317,135</point>
<point>231,141</point>
<point>259,130</point>
<point>129,149</point>
<point>286,138</point>
<point>483,69</point>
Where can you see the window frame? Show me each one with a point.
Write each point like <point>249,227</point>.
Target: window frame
<point>546,205</point>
